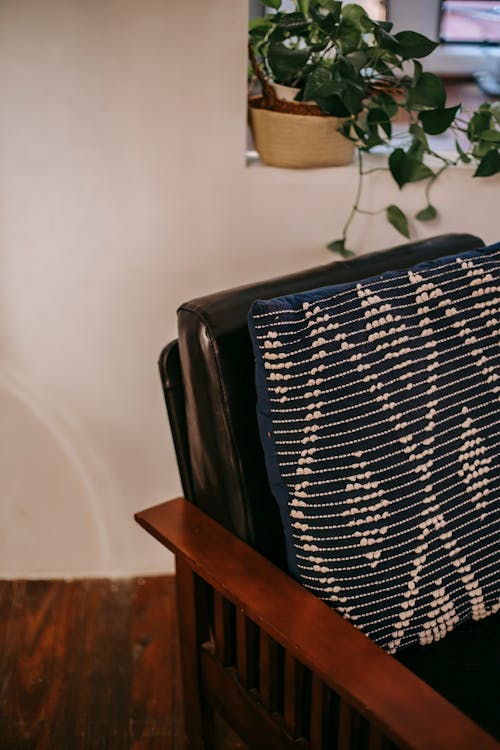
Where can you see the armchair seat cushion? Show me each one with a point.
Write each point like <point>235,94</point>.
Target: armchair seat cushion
<point>378,403</point>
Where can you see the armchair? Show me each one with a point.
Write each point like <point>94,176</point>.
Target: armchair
<point>282,668</point>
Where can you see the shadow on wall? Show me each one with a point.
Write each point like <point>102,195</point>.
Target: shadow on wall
<point>58,525</point>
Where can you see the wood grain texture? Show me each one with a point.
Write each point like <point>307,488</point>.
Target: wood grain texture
<point>91,665</point>
<point>368,680</point>
<point>195,628</point>
<point>156,701</point>
<point>268,671</point>
<point>224,626</point>
<point>294,698</point>
<point>246,651</point>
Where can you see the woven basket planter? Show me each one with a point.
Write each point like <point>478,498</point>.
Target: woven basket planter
<point>299,141</point>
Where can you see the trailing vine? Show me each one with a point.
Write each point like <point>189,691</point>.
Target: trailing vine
<point>354,68</point>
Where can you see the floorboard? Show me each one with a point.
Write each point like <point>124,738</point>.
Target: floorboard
<point>91,665</point>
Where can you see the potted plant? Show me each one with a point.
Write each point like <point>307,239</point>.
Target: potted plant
<point>333,81</point>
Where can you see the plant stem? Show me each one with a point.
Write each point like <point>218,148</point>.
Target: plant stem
<point>447,162</point>
<point>355,207</point>
<point>323,52</point>
<point>375,169</point>
<point>370,213</point>
<point>433,180</point>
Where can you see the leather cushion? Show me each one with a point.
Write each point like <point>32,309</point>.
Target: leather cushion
<point>228,476</point>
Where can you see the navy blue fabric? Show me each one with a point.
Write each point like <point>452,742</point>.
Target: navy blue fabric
<point>378,407</point>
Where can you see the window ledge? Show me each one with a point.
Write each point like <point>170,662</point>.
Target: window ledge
<point>377,159</point>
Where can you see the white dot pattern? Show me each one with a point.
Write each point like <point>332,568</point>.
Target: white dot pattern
<point>379,411</point>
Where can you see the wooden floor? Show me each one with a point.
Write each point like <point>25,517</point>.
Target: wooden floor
<point>90,664</point>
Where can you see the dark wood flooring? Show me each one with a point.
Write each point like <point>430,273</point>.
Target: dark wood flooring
<point>90,665</point>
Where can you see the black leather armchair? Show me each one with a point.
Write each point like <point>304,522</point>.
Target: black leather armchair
<point>282,668</point>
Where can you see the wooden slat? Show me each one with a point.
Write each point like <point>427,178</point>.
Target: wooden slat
<point>407,710</point>
<point>194,630</point>
<point>294,708</point>
<point>224,627</point>
<point>377,739</point>
<point>344,738</point>
<point>318,737</point>
<point>317,714</point>
<point>243,713</point>
<point>349,727</point>
<point>268,671</point>
<point>246,651</point>
<point>324,722</point>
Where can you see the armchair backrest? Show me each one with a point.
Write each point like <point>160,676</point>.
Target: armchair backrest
<point>208,381</point>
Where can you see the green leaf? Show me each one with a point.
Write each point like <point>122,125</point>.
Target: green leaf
<point>349,36</point>
<point>387,103</point>
<point>320,84</point>
<point>358,59</point>
<point>352,97</point>
<point>417,149</point>
<point>490,164</point>
<point>398,220</point>
<point>292,22</point>
<point>383,69</point>
<point>396,161</point>
<point>429,91</point>
<point>407,168</point>
<point>333,6</point>
<point>481,149</point>
<point>369,139</point>
<point>346,69</point>
<point>495,111</point>
<point>385,40</point>
<point>492,136</point>
<point>259,23</point>
<point>360,132</point>
<point>333,105</point>
<point>416,45</point>
<point>286,63</point>
<point>427,214</point>
<point>325,21</point>
<point>379,117</point>
<point>338,246</point>
<point>303,6</point>
<point>478,123</point>
<point>277,34</point>
<point>276,4</point>
<point>435,121</point>
<point>391,58</point>
<point>417,70</point>
<point>358,17</point>
<point>385,25</point>
<point>419,134</point>
<point>463,156</point>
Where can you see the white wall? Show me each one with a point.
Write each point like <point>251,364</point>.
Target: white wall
<point>123,192</point>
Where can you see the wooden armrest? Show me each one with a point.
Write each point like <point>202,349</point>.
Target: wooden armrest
<point>376,684</point>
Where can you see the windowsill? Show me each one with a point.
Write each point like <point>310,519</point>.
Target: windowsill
<point>376,159</point>
<point>259,171</point>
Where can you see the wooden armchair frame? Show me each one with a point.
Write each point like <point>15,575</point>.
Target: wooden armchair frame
<point>282,668</point>
<point>278,664</point>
